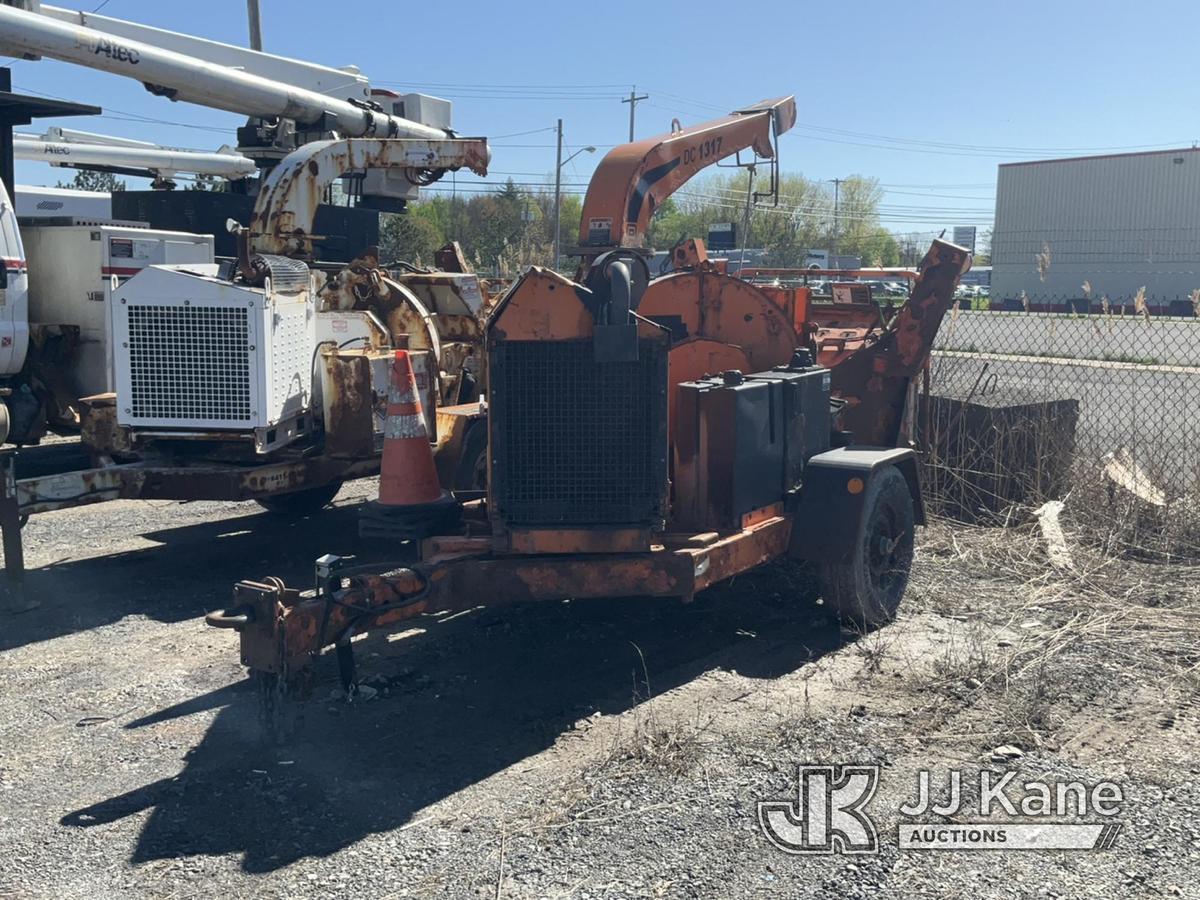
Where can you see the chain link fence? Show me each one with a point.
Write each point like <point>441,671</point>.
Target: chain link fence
<point>1022,407</point>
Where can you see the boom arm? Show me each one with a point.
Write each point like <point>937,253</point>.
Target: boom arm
<point>195,80</point>
<point>287,202</point>
<point>162,161</point>
<point>633,179</point>
<point>340,83</point>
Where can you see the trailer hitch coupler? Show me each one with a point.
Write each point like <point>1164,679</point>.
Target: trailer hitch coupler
<point>237,618</point>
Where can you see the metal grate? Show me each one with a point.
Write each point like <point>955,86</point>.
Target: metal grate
<point>189,362</point>
<point>575,441</point>
<point>288,276</point>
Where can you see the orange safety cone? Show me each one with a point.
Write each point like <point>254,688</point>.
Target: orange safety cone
<point>412,503</point>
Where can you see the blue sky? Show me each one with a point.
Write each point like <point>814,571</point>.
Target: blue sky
<point>927,98</point>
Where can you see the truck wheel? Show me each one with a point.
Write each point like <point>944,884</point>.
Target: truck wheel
<point>300,503</point>
<point>865,589</point>
<point>4,422</point>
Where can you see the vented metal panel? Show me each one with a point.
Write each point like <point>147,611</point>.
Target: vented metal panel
<point>574,441</point>
<point>292,354</point>
<point>189,362</point>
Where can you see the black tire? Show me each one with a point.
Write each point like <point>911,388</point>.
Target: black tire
<point>471,472</point>
<point>864,590</point>
<point>300,503</point>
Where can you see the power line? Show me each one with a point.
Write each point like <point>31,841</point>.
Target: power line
<point>520,133</point>
<point>968,149</point>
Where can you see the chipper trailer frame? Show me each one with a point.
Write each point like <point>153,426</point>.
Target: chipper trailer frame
<point>619,465</point>
<point>296,454</point>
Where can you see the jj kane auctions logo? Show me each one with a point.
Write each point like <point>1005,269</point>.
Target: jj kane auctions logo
<point>829,813</point>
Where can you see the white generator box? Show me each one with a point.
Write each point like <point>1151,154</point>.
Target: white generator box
<point>195,353</point>
<point>432,111</point>
<point>73,271</point>
<point>48,202</point>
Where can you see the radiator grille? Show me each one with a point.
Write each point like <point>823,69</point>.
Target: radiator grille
<point>189,362</point>
<point>574,441</point>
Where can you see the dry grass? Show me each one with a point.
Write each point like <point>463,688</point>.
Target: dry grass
<point>1039,642</point>
<point>667,746</point>
<point>1120,524</point>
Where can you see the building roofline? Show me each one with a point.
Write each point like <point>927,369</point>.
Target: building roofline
<point>1065,159</point>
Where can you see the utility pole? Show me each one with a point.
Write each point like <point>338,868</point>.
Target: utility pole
<point>837,188</point>
<point>559,162</point>
<point>255,24</point>
<point>633,101</point>
<point>557,195</point>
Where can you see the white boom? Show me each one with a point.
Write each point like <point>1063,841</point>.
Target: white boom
<point>195,80</point>
<point>162,161</point>
<point>344,83</point>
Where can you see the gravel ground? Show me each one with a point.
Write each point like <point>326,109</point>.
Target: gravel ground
<point>602,749</point>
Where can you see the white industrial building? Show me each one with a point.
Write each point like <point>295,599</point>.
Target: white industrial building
<point>1119,222</point>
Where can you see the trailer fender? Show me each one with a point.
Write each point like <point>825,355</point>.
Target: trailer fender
<point>829,508</point>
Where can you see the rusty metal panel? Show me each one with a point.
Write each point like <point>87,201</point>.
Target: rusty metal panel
<point>98,426</point>
<point>534,541</point>
<point>874,381</point>
<point>79,488</point>
<point>701,304</point>
<point>284,631</point>
<point>351,402</point>
<point>142,481</point>
<point>287,202</point>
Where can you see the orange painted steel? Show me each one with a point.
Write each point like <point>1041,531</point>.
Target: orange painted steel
<point>633,179</point>
<point>724,309</point>
<point>407,474</point>
<point>545,306</point>
<point>794,301</point>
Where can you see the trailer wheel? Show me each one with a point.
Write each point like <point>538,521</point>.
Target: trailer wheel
<point>865,588</point>
<point>300,503</point>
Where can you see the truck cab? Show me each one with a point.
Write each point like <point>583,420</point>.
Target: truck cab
<point>14,304</point>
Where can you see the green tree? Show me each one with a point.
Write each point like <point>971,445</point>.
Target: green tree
<point>409,236</point>
<point>87,180</point>
<point>208,183</point>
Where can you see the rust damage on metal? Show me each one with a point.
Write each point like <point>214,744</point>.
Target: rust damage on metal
<point>151,481</point>
<point>351,401</point>
<point>285,631</point>
<point>283,216</point>
<point>875,380</point>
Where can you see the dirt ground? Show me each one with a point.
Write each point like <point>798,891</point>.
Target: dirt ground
<point>576,749</point>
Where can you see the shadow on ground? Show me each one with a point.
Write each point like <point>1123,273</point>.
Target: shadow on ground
<point>191,570</point>
<point>468,697</point>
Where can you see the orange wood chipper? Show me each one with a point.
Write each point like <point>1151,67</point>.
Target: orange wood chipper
<point>644,437</point>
